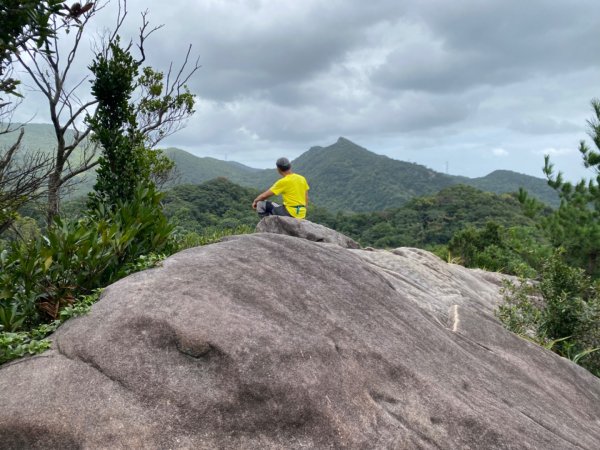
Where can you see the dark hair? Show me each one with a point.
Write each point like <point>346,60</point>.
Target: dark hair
<point>283,164</point>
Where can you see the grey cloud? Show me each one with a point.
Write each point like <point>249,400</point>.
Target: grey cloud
<point>267,122</point>
<point>473,43</point>
<point>277,48</point>
<point>543,125</point>
<point>288,74</point>
<point>279,51</point>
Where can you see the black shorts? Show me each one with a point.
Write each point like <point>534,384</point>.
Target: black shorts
<point>267,208</point>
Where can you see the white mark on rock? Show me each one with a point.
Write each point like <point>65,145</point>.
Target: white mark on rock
<point>455,327</point>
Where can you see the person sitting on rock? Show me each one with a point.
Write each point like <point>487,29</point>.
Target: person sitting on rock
<point>292,187</point>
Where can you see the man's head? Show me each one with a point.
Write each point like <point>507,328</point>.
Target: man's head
<point>283,164</point>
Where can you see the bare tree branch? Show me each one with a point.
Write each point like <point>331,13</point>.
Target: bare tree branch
<point>74,115</point>
<point>144,34</point>
<point>169,116</point>
<point>36,73</point>
<point>51,71</point>
<point>21,179</point>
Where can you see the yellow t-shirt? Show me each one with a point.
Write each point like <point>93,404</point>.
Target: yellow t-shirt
<point>293,189</point>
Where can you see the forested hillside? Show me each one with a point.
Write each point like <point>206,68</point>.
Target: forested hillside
<point>343,176</point>
<point>216,203</point>
<point>422,222</point>
<point>38,136</point>
<point>192,169</point>
<point>429,220</point>
<point>501,181</point>
<point>347,177</point>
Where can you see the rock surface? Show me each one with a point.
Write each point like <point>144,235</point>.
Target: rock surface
<point>271,341</point>
<point>304,229</point>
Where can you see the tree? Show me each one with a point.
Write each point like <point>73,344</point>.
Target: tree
<point>114,125</point>
<point>22,22</point>
<point>127,130</point>
<point>50,70</point>
<point>20,180</point>
<point>575,226</point>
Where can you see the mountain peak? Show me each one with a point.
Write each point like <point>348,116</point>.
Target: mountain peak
<point>344,141</point>
<point>346,144</point>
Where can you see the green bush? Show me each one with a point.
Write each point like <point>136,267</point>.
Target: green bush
<point>565,290</point>
<point>39,278</point>
<point>142,227</point>
<point>17,345</point>
<point>560,311</point>
<point>187,239</point>
<point>515,250</point>
<point>520,312</point>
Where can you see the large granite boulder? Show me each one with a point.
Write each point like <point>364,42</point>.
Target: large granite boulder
<point>272,341</point>
<point>304,229</point>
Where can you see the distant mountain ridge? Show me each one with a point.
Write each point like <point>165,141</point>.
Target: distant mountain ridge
<point>348,177</point>
<point>195,170</point>
<point>500,181</point>
<point>343,176</point>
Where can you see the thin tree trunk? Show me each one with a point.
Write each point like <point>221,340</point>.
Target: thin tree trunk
<point>53,197</point>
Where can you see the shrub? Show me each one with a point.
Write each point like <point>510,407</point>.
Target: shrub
<point>186,239</point>
<point>560,311</point>
<point>496,248</point>
<point>17,345</point>
<point>75,257</point>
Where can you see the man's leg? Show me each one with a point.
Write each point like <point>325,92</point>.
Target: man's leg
<point>262,209</point>
<point>267,208</point>
<point>280,210</point>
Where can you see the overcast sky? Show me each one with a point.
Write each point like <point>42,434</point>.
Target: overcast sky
<point>467,86</point>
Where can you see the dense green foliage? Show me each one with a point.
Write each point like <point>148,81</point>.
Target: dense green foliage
<point>74,257</point>
<point>512,250</point>
<point>423,222</point>
<point>216,204</point>
<point>114,126</point>
<point>561,311</point>
<point>428,221</point>
<point>18,344</point>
